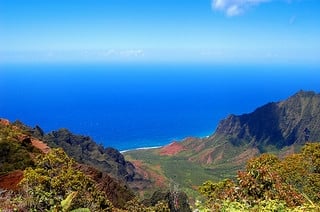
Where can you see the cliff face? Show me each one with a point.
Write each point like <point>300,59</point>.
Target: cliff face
<point>293,121</point>
<point>277,127</point>
<point>84,150</point>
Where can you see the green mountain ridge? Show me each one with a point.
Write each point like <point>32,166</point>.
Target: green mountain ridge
<point>277,127</point>
<point>293,121</point>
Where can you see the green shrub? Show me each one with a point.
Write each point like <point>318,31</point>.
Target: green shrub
<point>270,184</point>
<point>54,179</point>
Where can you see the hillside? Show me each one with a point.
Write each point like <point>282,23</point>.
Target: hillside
<point>37,174</point>
<point>19,150</point>
<point>86,151</point>
<point>293,121</point>
<point>107,178</point>
<point>277,127</point>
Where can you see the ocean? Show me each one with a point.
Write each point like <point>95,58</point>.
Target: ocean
<point>132,106</point>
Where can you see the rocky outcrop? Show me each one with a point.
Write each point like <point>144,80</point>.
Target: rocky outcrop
<point>293,121</point>
<point>20,145</point>
<point>84,150</point>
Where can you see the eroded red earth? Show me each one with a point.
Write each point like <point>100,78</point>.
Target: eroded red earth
<point>11,180</point>
<point>172,149</point>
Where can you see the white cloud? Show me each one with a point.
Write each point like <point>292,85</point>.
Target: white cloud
<point>235,7</point>
<point>234,10</point>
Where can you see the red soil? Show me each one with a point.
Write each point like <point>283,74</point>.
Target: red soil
<point>40,145</point>
<point>172,149</point>
<point>160,181</point>
<point>4,122</point>
<point>35,142</point>
<point>149,174</point>
<point>139,168</point>
<point>11,180</point>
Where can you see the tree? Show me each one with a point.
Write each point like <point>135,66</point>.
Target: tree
<point>54,178</point>
<point>261,181</point>
<point>268,182</point>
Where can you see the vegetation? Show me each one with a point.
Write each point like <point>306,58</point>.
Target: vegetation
<point>55,182</point>
<point>14,150</point>
<point>55,185</point>
<point>86,151</point>
<point>271,184</point>
<point>54,178</point>
<point>181,170</point>
<point>280,128</point>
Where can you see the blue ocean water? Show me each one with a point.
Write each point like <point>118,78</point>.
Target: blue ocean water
<point>132,106</point>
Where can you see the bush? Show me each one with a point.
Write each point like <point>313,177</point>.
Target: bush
<point>54,178</point>
<point>271,184</point>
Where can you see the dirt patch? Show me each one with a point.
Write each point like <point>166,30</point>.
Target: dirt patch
<point>11,180</point>
<point>4,122</point>
<point>207,157</point>
<point>40,145</point>
<point>35,142</point>
<point>172,149</point>
<point>150,172</point>
<point>139,168</point>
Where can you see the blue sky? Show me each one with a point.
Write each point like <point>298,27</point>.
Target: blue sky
<point>205,31</point>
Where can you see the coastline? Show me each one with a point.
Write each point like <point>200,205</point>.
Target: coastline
<point>158,147</point>
<point>141,148</point>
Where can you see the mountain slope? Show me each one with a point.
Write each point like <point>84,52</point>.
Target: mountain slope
<point>278,127</point>
<point>19,149</point>
<point>86,151</point>
<point>52,175</point>
<point>293,121</point>
<point>275,126</point>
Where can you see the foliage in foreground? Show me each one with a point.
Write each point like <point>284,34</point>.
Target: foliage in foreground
<point>54,184</point>
<point>54,178</point>
<point>270,184</point>
<point>15,150</point>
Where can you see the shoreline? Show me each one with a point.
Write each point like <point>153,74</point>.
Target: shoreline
<point>158,147</point>
<point>141,148</point>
